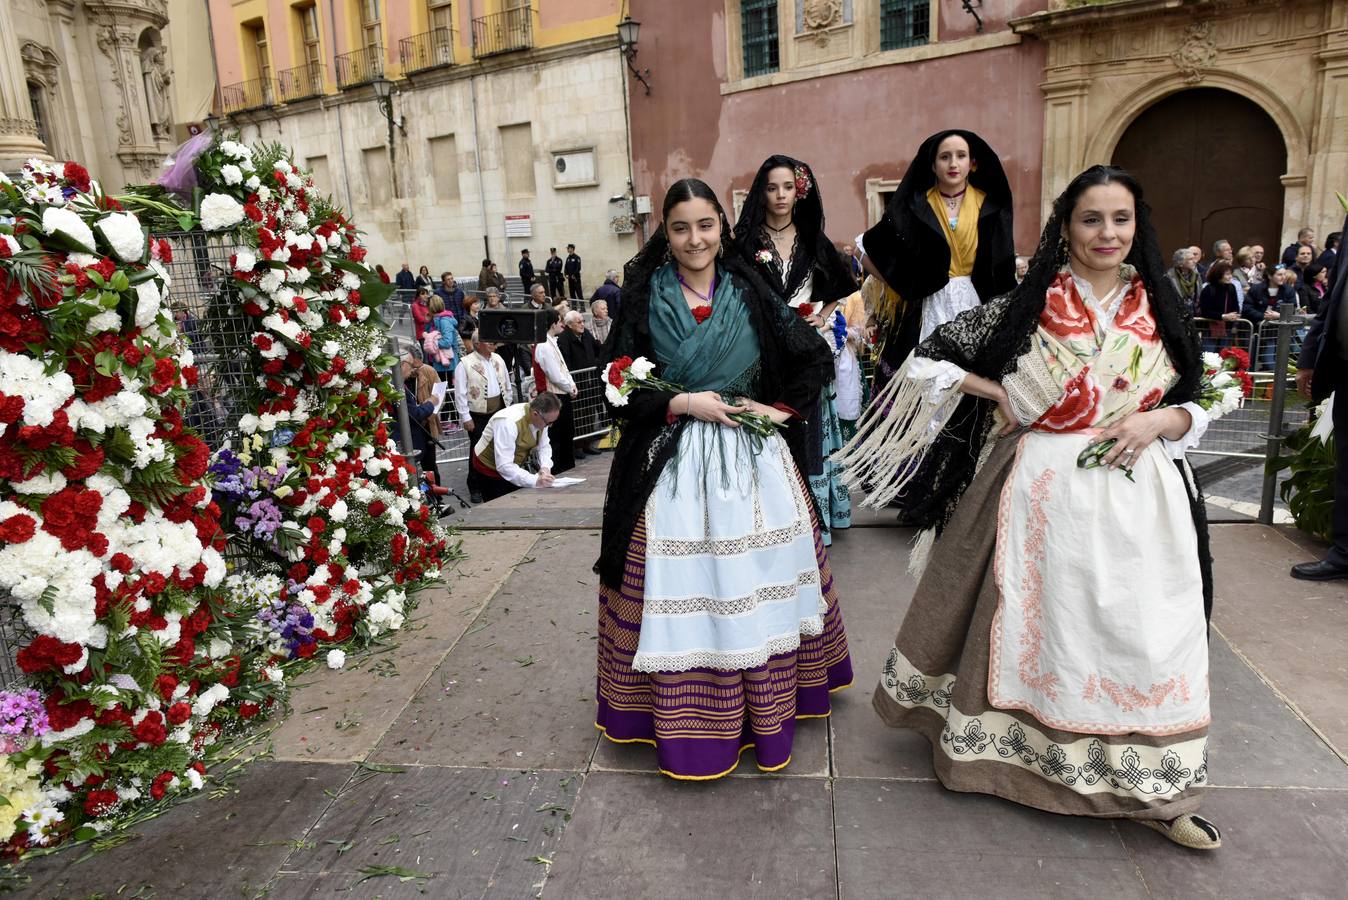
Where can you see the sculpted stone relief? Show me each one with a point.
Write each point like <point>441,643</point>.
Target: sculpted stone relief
<point>1196,52</point>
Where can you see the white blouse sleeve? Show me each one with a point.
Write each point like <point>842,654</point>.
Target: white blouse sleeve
<point>939,376</point>
<point>1197,427</point>
<point>503,444</point>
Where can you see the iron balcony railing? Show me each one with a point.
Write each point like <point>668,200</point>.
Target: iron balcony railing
<point>503,32</point>
<point>360,66</point>
<point>428,50</point>
<point>300,82</point>
<point>252,94</point>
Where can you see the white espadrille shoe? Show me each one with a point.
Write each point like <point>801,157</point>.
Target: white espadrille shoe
<point>1188,830</point>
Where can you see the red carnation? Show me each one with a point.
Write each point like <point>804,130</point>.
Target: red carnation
<point>150,729</point>
<point>11,408</point>
<point>62,715</point>
<point>179,713</point>
<point>159,787</point>
<point>17,529</point>
<point>615,372</point>
<point>77,176</point>
<point>46,652</point>
<point>377,508</point>
<point>701,313</point>
<point>805,310</point>
<point>248,710</point>
<point>165,685</point>
<point>99,803</point>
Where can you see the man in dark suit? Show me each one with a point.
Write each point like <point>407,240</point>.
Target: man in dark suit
<point>1322,369</point>
<point>572,272</point>
<point>526,270</point>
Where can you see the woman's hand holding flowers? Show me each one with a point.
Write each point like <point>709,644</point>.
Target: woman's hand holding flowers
<point>778,416</point>
<point>1134,433</point>
<point>706,406</point>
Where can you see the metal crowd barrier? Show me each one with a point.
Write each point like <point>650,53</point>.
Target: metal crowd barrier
<point>1217,335</point>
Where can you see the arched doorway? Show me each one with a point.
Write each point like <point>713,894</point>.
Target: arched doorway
<point>1211,163</point>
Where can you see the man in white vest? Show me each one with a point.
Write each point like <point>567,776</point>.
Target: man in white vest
<point>508,439</point>
<point>554,377</point>
<point>482,388</point>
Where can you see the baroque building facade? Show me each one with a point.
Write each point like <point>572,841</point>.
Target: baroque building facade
<point>1233,112</point>
<point>509,123</point>
<point>88,80</point>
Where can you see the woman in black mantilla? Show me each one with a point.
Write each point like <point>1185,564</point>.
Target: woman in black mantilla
<point>1055,652</point>
<point>945,243</point>
<point>718,621</point>
<point>780,233</point>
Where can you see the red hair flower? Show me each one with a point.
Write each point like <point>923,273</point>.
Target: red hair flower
<point>803,182</point>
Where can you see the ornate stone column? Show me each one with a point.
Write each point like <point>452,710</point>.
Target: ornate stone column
<point>18,130</point>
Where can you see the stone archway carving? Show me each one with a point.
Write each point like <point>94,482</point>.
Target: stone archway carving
<point>1101,146</point>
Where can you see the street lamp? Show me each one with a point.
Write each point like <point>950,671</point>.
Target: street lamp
<point>628,29</point>
<point>383,95</point>
<point>212,122</point>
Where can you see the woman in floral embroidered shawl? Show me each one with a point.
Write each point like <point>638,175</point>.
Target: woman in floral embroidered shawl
<point>1055,652</point>
<point>780,233</point>
<point>718,622</point>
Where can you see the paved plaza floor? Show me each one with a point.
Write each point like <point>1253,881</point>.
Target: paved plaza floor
<point>465,763</point>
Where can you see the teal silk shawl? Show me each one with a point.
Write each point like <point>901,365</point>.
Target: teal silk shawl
<point>713,356</point>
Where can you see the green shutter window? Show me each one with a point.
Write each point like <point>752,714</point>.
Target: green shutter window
<point>904,23</point>
<point>758,27</point>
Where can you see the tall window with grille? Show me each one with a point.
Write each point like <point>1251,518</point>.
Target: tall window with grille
<point>257,36</point>
<point>313,50</point>
<point>758,29</point>
<point>371,22</point>
<point>36,101</point>
<point>440,15</point>
<point>904,23</point>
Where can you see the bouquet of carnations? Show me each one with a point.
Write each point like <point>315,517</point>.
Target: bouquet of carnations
<point>1225,383</point>
<point>625,375</point>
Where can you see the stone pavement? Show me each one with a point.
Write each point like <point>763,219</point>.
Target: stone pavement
<point>469,756</point>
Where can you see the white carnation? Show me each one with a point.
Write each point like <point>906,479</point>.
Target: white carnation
<point>231,174</point>
<point>58,220</point>
<point>336,659</point>
<point>245,261</point>
<point>124,235</point>
<point>107,320</point>
<point>220,211</point>
<point>148,301</point>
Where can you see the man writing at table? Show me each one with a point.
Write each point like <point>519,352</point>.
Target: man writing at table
<point>506,442</point>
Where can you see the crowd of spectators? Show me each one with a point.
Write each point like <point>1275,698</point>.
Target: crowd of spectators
<point>1237,284</point>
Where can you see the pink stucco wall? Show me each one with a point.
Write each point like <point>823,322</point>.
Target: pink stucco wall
<point>849,127</point>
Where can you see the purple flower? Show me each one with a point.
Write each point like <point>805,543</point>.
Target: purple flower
<point>22,714</point>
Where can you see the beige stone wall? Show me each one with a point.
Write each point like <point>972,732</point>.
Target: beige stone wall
<point>570,102</point>
<point>1107,62</point>
<point>104,75</point>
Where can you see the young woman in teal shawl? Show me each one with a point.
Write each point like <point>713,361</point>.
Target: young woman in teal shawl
<point>718,622</point>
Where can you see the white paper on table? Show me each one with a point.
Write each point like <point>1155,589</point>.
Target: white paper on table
<point>438,391</point>
<point>565,482</point>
